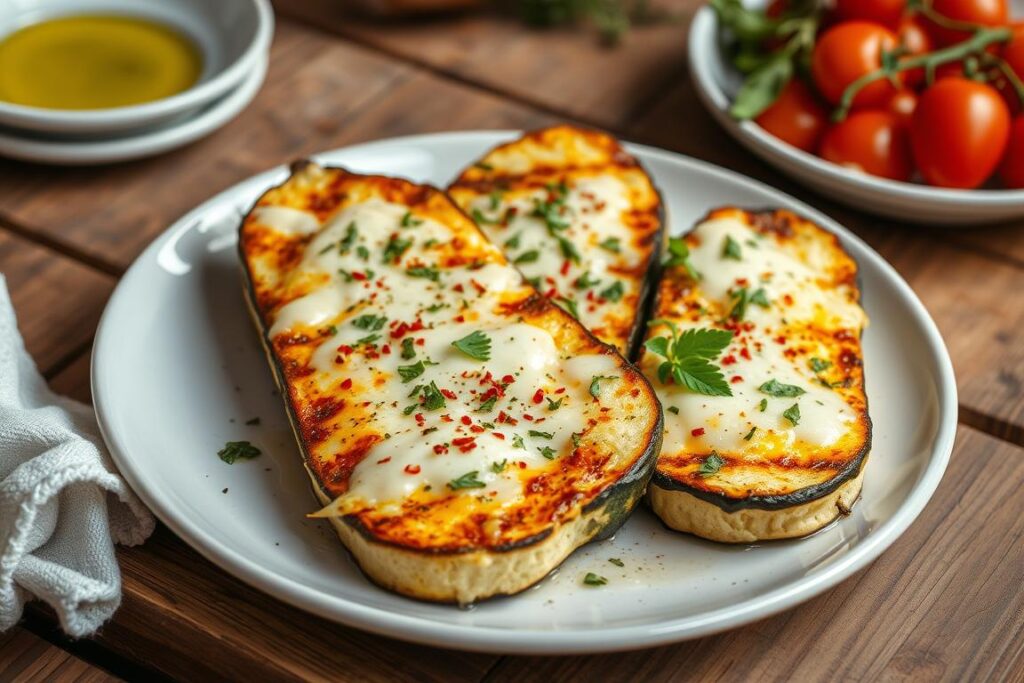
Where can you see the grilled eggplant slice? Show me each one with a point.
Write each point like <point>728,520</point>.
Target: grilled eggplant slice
<point>782,455</point>
<point>579,217</point>
<point>463,434</point>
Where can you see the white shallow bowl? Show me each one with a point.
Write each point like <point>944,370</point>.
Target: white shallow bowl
<point>146,143</point>
<point>178,370</point>
<point>716,82</point>
<point>232,35</point>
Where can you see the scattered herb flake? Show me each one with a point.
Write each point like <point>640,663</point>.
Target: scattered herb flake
<point>548,452</point>
<point>611,244</point>
<point>792,414</point>
<point>527,257</point>
<point>476,345</point>
<point>410,372</point>
<point>555,405</point>
<point>541,435</point>
<point>688,357</point>
<point>613,292</point>
<point>467,481</point>
<point>617,562</point>
<point>408,348</point>
<point>750,434</point>
<point>233,450</point>
<point>369,322</point>
<point>710,465</point>
<point>679,255</point>
<point>779,390</point>
<point>819,365</point>
<point>592,579</point>
<point>731,249</point>
<point>595,384</point>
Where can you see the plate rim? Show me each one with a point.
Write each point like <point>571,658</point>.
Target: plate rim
<point>548,642</point>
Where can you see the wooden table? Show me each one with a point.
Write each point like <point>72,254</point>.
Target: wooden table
<point>945,602</point>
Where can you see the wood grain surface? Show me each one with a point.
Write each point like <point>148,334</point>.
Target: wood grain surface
<point>26,658</point>
<point>942,604</point>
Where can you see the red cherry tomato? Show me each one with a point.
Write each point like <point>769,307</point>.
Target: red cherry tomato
<point>884,12</point>
<point>983,12</point>
<point>902,104</point>
<point>872,141</point>
<point>796,117</point>
<point>914,38</point>
<point>1011,171</point>
<point>959,132</point>
<point>846,52</point>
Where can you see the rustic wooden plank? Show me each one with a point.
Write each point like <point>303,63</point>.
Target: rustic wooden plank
<point>566,71</point>
<point>58,301</point>
<point>185,618</point>
<point>941,604</point>
<point>26,658</point>
<point>320,94</point>
<point>968,292</point>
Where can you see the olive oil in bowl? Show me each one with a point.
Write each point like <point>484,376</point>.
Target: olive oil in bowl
<point>95,62</point>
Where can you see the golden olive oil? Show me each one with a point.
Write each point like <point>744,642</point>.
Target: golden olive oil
<point>95,62</point>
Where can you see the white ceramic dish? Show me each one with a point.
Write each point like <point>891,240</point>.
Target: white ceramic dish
<point>143,144</point>
<point>716,82</point>
<point>233,36</point>
<point>178,369</point>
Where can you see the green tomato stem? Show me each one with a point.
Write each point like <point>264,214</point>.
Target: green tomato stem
<point>982,38</point>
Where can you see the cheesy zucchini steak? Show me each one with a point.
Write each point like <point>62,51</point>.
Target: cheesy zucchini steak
<point>579,217</point>
<point>463,434</point>
<point>755,354</point>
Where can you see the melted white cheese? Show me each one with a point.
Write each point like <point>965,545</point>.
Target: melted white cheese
<point>363,297</point>
<point>791,287</point>
<point>594,209</point>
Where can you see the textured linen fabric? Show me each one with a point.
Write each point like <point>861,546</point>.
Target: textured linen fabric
<point>62,503</point>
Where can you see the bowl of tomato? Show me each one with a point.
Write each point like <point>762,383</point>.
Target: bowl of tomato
<point>910,110</point>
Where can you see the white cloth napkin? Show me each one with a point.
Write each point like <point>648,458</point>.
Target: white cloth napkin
<point>62,503</point>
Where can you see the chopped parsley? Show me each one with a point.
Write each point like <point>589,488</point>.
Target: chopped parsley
<point>592,579</point>
<point>433,399</point>
<point>368,339</point>
<point>555,405</point>
<point>548,452</point>
<point>369,322</point>
<point>595,384</point>
<point>585,281</point>
<point>517,442</point>
<point>394,249</point>
<point>499,467</point>
<point>362,252</point>
<point>541,435</point>
<point>819,365</point>
<point>569,305</point>
<point>792,414</point>
<point>408,351</point>
<point>679,255</point>
<point>467,481</point>
<point>434,308</point>
<point>731,249</point>
<point>429,273</point>
<point>347,242</point>
<point>673,409</point>
<point>779,390</point>
<point>495,199</point>
<point>410,221</point>
<point>480,219</point>
<point>762,405</point>
<point>710,465</point>
<point>617,562</point>
<point>513,241</point>
<point>488,405</point>
<point>410,372</point>
<point>569,250</point>
<point>611,244</point>
<point>750,434</point>
<point>688,357</point>
<point>476,345</point>
<point>527,257</point>
<point>613,292</point>
<point>760,298</point>
<point>233,450</point>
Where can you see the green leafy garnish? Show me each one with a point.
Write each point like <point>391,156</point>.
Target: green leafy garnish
<point>617,562</point>
<point>362,252</point>
<point>495,199</point>
<point>592,579</point>
<point>513,241</point>
<point>433,399</point>
<point>467,481</point>
<point>488,405</point>
<point>731,249</point>
<point>613,292</point>
<point>498,467</point>
<point>760,298</point>
<point>792,414</point>
<point>517,442</point>
<point>569,305</point>
<point>408,351</point>
<point>673,409</point>
<point>819,365</point>
<point>394,249</point>
<point>779,390</point>
<point>679,255</point>
<point>762,405</point>
<point>368,339</point>
<point>750,434</point>
<point>569,250</point>
<point>233,450</point>
<point>434,308</point>
<point>688,358</point>
<point>410,372</point>
<point>480,218</point>
<point>409,221</point>
<point>369,322</point>
<point>595,384</point>
<point>476,345</point>
<point>351,234</point>
<point>611,244</point>
<point>548,452</point>
<point>541,435</point>
<point>527,257</point>
<point>429,273</point>
<point>555,405</point>
<point>585,281</point>
<point>710,465</point>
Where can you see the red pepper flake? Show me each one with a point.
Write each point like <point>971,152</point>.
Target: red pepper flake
<point>465,444</point>
<point>560,390</point>
<point>742,281</point>
<point>356,275</point>
<point>446,418</point>
<point>476,429</point>
<point>522,465</point>
<point>448,393</point>
<point>538,396</point>
<point>421,341</point>
<point>498,435</point>
<point>699,431</point>
<point>501,416</point>
<point>347,384</point>
<point>565,267</point>
<point>346,349</point>
<point>737,379</point>
<point>386,349</point>
<point>458,287</point>
<point>728,360</point>
<point>415,469</point>
<point>551,293</point>
<point>508,379</point>
<point>384,460</point>
<point>745,352</point>
<point>480,289</point>
<point>466,420</point>
<point>787,299</point>
<point>460,318</point>
<point>440,448</point>
<point>420,419</point>
<point>528,417</point>
<point>780,339</point>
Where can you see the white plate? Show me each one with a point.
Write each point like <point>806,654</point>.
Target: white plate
<point>716,82</point>
<point>178,369</point>
<point>143,144</point>
<point>232,35</point>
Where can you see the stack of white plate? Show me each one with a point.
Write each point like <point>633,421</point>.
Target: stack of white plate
<point>234,39</point>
